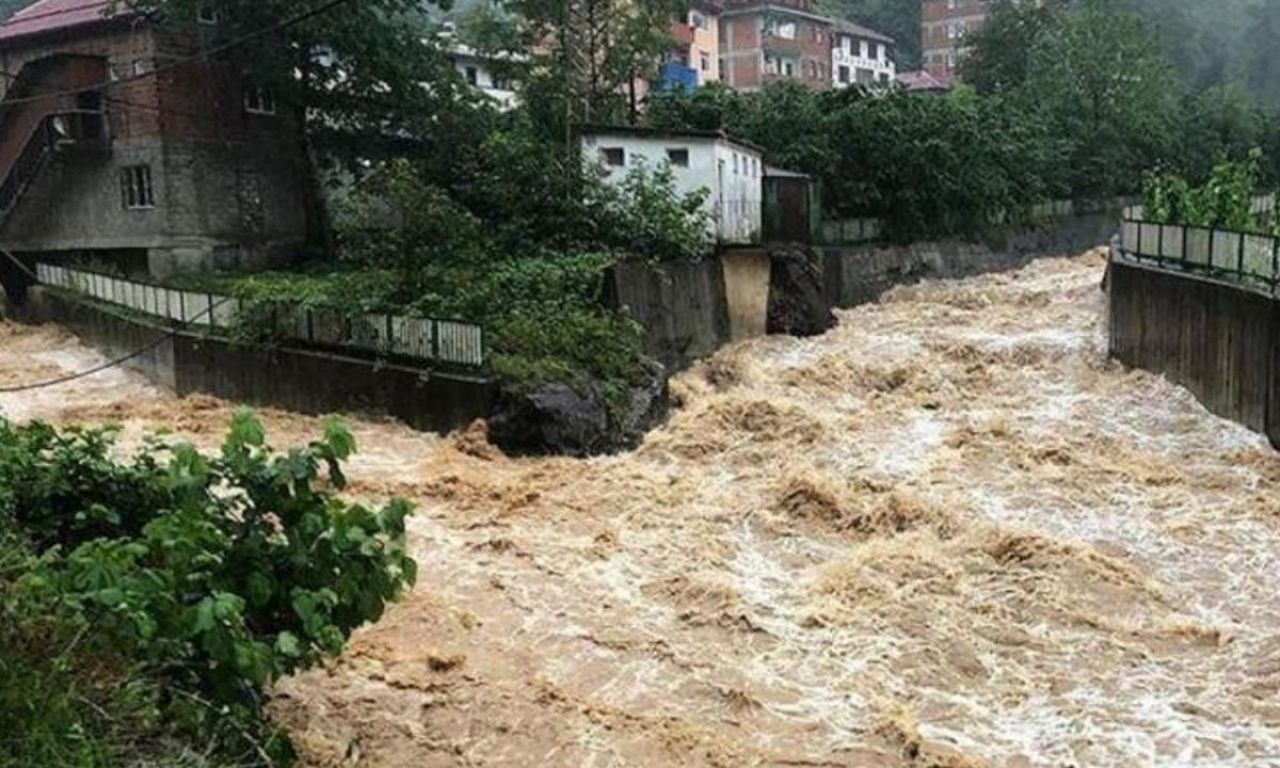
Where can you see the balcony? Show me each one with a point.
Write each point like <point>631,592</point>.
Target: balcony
<point>674,76</point>
<point>782,46</point>
<point>682,34</point>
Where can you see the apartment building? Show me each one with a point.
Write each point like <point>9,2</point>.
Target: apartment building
<point>694,58</point>
<point>860,56</point>
<point>764,41</point>
<point>944,26</point>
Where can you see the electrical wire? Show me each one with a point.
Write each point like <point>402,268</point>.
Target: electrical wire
<point>186,61</point>
<point>114,363</point>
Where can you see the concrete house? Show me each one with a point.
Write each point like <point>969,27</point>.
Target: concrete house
<point>730,170</point>
<point>117,148</point>
<point>861,55</point>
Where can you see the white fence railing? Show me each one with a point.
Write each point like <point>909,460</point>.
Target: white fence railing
<point>1261,207</point>
<point>443,341</point>
<point>1240,256</point>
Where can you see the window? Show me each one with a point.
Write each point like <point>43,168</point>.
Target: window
<point>141,67</point>
<point>880,51</point>
<point>259,100</point>
<point>613,156</point>
<point>786,30</point>
<point>135,187</point>
<point>207,14</point>
<point>678,157</point>
<point>862,48</point>
<point>697,20</point>
<point>704,61</point>
<point>735,163</point>
<point>473,77</point>
<point>788,68</point>
<point>844,73</point>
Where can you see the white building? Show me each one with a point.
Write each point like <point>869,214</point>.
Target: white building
<point>860,55</point>
<point>731,171</point>
<point>482,73</point>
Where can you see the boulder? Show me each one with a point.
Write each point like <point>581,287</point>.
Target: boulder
<point>798,305</point>
<point>575,419</point>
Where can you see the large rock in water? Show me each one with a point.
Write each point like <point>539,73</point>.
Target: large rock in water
<point>574,419</point>
<point>798,305</point>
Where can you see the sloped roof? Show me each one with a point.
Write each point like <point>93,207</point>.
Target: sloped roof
<point>921,80</point>
<point>48,16</point>
<point>857,30</point>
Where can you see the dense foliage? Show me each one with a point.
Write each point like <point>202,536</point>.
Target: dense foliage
<point>1224,201</point>
<point>152,600</point>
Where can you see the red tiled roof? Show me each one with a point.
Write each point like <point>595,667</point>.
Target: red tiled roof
<point>54,15</point>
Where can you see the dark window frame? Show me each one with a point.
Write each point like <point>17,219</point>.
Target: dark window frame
<point>136,190</point>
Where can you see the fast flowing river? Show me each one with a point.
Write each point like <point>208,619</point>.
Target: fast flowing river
<point>948,533</point>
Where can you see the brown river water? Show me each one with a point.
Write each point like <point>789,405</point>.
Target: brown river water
<point>947,533</point>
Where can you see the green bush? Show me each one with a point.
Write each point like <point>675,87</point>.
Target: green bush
<point>1223,201</point>
<point>210,575</point>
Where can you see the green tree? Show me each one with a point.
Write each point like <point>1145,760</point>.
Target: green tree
<point>588,57</point>
<point>1002,51</point>
<point>359,78</point>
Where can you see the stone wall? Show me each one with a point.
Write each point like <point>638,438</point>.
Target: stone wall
<point>859,274</point>
<point>1217,339</point>
<point>301,380</point>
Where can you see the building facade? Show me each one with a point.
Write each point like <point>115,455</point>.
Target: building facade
<point>861,56</point>
<point>694,58</point>
<point>731,171</point>
<point>943,28</point>
<point>193,167</point>
<point>490,75</point>
<point>774,40</point>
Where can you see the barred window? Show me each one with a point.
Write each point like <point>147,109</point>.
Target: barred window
<point>135,187</point>
<point>259,100</point>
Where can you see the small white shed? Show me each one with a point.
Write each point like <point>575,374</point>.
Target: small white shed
<point>732,171</point>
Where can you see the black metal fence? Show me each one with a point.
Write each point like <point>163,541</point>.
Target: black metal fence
<point>1247,258</point>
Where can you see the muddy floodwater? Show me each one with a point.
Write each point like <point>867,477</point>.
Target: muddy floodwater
<point>947,533</point>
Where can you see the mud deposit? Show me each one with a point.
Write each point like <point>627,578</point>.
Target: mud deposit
<point>948,533</point>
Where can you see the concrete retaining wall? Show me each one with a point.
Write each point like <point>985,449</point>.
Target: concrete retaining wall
<point>1217,339</point>
<point>301,380</point>
<point>691,309</point>
<point>681,305</point>
<point>860,274</point>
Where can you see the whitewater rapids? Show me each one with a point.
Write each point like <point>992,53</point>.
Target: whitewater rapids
<point>947,533</point>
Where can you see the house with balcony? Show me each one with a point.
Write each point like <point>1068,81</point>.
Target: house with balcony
<point>118,147</point>
<point>764,41</point>
<point>731,171</point>
<point>694,58</point>
<point>861,56</point>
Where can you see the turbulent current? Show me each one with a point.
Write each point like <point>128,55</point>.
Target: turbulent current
<point>947,533</point>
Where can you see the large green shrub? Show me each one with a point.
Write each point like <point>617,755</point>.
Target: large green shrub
<point>209,576</point>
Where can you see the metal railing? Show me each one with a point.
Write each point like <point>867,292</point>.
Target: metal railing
<point>1244,257</point>
<point>1261,208</point>
<point>53,131</point>
<point>849,231</point>
<point>439,341</point>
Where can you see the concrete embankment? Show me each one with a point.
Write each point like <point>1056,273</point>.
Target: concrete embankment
<point>1218,339</point>
<point>860,274</point>
<point>303,380</point>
